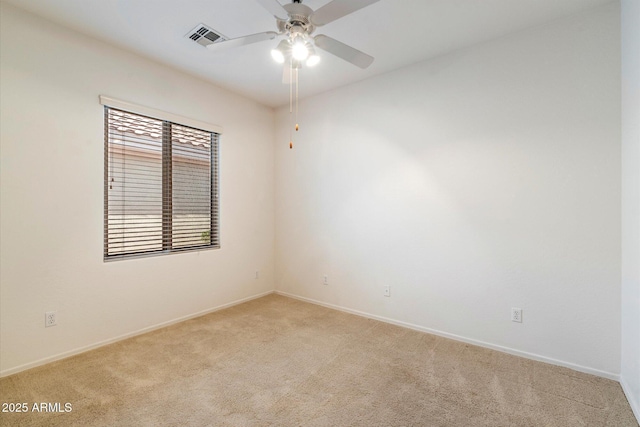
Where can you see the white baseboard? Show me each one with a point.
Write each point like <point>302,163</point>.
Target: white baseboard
<point>633,400</point>
<point>532,356</point>
<point>76,351</point>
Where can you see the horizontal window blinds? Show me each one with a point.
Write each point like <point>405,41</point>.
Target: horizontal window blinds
<point>192,185</point>
<point>161,182</point>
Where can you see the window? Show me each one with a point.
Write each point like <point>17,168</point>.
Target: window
<point>161,186</point>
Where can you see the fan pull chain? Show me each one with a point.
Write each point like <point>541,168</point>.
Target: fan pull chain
<point>297,90</point>
<point>290,102</point>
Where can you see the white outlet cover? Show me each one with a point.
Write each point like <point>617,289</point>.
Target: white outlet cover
<point>50,319</point>
<point>516,314</point>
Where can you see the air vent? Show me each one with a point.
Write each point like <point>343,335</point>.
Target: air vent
<point>205,36</point>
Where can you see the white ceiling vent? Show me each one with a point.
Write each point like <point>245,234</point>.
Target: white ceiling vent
<point>205,36</point>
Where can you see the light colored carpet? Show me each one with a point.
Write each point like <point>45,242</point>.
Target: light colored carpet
<point>276,361</point>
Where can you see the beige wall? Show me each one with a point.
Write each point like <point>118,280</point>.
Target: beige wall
<point>630,374</point>
<point>485,179</point>
<point>52,198</point>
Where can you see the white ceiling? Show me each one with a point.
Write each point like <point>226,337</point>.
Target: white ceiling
<point>396,33</point>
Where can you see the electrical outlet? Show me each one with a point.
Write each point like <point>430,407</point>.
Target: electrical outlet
<point>387,291</point>
<point>257,274</point>
<point>516,314</point>
<point>50,319</point>
<point>325,280</point>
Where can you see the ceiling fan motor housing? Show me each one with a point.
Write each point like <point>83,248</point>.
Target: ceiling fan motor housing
<point>298,22</point>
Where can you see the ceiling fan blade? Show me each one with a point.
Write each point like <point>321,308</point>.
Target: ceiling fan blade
<point>337,9</point>
<point>275,8</point>
<point>241,41</point>
<point>343,51</point>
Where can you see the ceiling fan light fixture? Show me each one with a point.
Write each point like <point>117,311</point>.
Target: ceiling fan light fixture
<point>313,58</point>
<point>299,50</point>
<point>279,54</point>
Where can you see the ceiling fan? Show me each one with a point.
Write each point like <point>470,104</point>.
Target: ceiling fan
<point>297,23</point>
